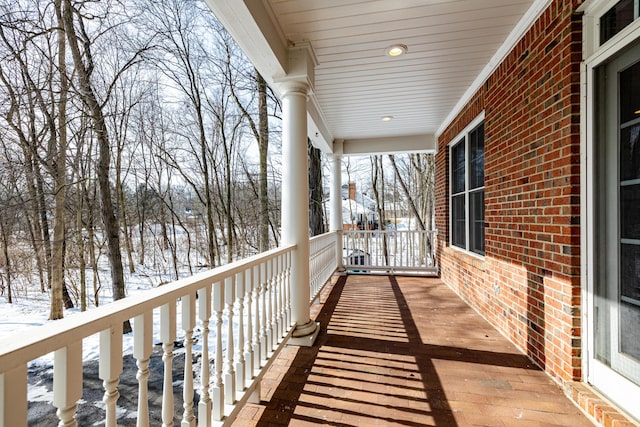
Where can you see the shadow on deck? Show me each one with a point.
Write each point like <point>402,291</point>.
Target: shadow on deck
<point>406,351</point>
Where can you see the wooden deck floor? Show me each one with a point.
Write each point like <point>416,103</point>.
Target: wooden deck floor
<point>406,351</point>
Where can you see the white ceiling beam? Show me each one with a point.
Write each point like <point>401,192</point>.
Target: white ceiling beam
<point>390,145</point>
<point>250,24</point>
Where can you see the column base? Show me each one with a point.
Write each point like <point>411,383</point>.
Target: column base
<point>305,335</point>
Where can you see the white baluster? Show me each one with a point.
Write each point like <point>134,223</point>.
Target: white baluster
<point>268,301</point>
<point>229,372</point>
<point>67,382</point>
<point>109,371</point>
<point>217,389</point>
<point>167,336</point>
<point>255,286</point>
<point>283,297</point>
<point>280,320</point>
<point>204,314</point>
<point>142,348</point>
<point>188,323</point>
<point>13,397</point>
<point>248,347</point>
<point>275,284</point>
<point>264,280</point>
<point>287,289</point>
<point>238,358</point>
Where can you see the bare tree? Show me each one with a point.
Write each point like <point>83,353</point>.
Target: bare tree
<point>378,192</point>
<point>263,148</point>
<point>407,194</point>
<point>60,155</point>
<point>75,30</point>
<point>316,221</point>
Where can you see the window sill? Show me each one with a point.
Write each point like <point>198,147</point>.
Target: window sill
<point>471,259</point>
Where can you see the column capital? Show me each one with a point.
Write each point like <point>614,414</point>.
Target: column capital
<point>292,86</point>
<point>300,73</point>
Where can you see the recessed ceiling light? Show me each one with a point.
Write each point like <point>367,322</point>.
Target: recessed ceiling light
<point>636,112</point>
<point>396,50</point>
<point>386,118</point>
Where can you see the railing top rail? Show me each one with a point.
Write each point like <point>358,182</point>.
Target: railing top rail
<point>41,340</point>
<point>323,236</point>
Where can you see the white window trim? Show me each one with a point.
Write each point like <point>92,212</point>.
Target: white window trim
<point>595,55</point>
<point>463,134</point>
<point>591,49</point>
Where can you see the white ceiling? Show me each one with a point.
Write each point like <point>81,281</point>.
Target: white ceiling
<point>450,43</point>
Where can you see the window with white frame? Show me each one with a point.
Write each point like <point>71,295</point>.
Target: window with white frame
<point>617,18</point>
<point>467,188</point>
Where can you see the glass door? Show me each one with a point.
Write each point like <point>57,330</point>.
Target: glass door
<point>617,287</point>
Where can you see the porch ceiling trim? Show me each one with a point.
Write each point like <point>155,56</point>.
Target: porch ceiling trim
<point>338,108</point>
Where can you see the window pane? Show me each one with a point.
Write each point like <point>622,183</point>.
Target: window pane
<point>630,212</point>
<point>458,221</point>
<point>476,222</point>
<point>630,153</point>
<point>476,158</point>
<point>630,300</point>
<point>630,94</point>
<point>618,17</point>
<point>457,167</point>
<point>630,271</point>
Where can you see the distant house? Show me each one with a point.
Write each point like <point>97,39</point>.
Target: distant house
<point>358,210</point>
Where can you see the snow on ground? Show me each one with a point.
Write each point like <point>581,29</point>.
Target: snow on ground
<point>31,309</point>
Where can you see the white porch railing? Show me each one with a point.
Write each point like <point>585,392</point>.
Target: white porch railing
<point>390,251</point>
<point>252,295</point>
<point>245,305</point>
<point>323,260</point>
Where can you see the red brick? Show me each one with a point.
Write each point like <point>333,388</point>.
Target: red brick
<point>532,177</point>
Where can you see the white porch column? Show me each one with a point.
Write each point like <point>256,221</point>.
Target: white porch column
<point>335,221</point>
<point>295,201</point>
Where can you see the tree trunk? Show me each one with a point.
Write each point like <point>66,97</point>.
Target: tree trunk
<point>141,206</point>
<point>123,214</point>
<point>91,242</point>
<point>44,222</point>
<point>80,242</point>
<point>37,247</point>
<point>228,190</point>
<point>378,177</point>
<point>316,222</point>
<point>163,228</point>
<point>174,245</point>
<point>66,297</point>
<point>109,219</point>
<point>7,261</point>
<point>405,190</point>
<point>60,155</point>
<point>263,148</point>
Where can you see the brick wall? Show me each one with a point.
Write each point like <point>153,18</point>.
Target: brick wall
<point>528,284</point>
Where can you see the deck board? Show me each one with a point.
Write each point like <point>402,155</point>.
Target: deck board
<point>406,351</point>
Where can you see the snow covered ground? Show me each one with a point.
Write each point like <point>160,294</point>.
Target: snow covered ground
<point>30,308</point>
